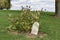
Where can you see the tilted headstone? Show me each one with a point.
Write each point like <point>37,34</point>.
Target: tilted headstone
<point>35,28</point>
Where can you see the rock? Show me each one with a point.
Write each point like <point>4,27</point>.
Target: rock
<point>35,28</point>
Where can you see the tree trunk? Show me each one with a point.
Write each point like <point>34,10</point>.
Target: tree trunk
<point>57,6</point>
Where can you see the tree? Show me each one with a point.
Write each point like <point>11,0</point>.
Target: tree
<point>57,6</point>
<point>5,4</point>
<point>2,4</point>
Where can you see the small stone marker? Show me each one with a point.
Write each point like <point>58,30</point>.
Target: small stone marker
<point>35,28</point>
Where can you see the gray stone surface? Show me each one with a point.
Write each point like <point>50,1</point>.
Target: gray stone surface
<point>35,28</point>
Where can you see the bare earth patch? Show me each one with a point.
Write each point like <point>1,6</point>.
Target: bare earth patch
<point>29,35</point>
<point>12,33</point>
<point>41,35</point>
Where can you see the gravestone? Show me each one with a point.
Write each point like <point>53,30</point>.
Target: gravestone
<point>35,28</point>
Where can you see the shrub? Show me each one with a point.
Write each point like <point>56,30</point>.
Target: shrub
<point>23,22</point>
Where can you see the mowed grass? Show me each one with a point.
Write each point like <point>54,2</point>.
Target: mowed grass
<point>48,24</point>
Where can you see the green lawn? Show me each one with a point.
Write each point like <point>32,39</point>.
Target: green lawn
<point>48,24</point>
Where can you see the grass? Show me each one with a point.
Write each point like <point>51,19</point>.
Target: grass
<point>48,24</point>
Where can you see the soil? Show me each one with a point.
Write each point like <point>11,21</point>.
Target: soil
<point>29,35</point>
<point>12,33</point>
<point>40,34</point>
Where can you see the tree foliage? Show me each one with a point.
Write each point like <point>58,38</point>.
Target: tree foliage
<point>5,4</point>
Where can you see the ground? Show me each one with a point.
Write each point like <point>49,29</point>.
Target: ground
<point>48,24</point>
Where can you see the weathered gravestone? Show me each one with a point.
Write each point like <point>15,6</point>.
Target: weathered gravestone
<point>35,28</point>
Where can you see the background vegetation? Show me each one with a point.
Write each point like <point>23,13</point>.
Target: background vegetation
<point>5,4</point>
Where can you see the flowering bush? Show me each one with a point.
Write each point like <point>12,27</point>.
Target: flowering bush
<point>24,21</point>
